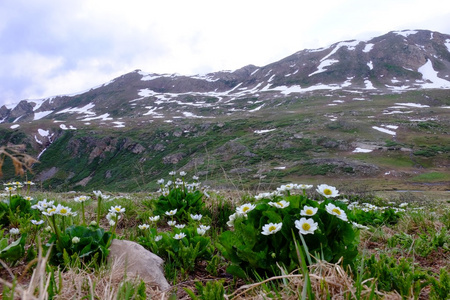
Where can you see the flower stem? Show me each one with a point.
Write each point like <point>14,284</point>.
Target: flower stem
<point>99,206</point>
<point>82,210</point>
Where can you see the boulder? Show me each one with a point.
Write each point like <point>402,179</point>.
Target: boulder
<point>137,261</point>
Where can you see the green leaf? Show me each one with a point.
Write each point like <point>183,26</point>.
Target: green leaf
<point>237,271</point>
<point>14,251</point>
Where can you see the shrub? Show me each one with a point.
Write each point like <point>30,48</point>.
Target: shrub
<point>265,232</point>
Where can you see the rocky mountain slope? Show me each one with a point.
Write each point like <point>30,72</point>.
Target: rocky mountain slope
<point>355,108</point>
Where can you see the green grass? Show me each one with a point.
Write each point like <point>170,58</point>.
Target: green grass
<point>432,176</point>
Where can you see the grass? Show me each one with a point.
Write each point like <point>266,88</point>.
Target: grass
<point>432,176</point>
<point>398,243</point>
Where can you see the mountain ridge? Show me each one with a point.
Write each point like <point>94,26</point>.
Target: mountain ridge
<point>306,114</point>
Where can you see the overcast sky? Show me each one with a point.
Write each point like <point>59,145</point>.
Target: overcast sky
<point>53,47</point>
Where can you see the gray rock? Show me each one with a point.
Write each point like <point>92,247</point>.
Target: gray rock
<point>137,261</point>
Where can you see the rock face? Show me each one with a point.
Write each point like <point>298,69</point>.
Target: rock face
<point>136,261</point>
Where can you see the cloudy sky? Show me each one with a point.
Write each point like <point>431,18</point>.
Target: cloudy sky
<point>53,47</point>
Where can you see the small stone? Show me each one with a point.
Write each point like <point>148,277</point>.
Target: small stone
<point>138,262</point>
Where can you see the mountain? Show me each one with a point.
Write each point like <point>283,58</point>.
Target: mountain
<point>305,115</point>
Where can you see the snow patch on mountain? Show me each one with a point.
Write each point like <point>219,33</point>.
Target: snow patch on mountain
<point>429,73</point>
<point>41,114</point>
<point>406,33</point>
<point>384,130</point>
<point>43,132</point>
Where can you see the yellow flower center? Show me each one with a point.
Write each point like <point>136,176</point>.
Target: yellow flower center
<point>272,228</point>
<point>52,210</point>
<point>337,211</point>
<point>245,209</point>
<point>306,226</point>
<point>327,192</point>
<point>280,204</point>
<point>309,212</point>
<point>117,209</point>
<point>63,211</point>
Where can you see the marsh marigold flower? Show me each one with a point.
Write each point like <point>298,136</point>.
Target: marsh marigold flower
<point>306,226</point>
<point>336,211</point>
<point>245,208</point>
<point>280,204</point>
<point>327,190</point>
<point>308,211</point>
<point>271,228</point>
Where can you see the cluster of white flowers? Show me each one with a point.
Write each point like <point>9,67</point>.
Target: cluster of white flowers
<point>114,214</point>
<point>42,205</point>
<point>37,223</point>
<point>201,230</point>
<point>293,186</point>
<point>178,182</point>
<point>99,194</point>
<point>12,186</point>
<point>240,211</point>
<point>49,209</point>
<point>367,207</point>
<point>14,231</point>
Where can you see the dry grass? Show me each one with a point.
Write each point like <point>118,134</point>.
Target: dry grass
<point>327,281</point>
<point>22,162</point>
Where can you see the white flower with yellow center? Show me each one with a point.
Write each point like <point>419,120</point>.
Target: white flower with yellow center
<point>179,236</point>
<point>271,228</point>
<point>50,211</point>
<point>35,222</point>
<point>117,209</point>
<point>327,190</point>
<point>10,188</point>
<point>63,210</point>
<point>158,238</point>
<point>245,208</point>
<point>154,219</point>
<point>304,186</point>
<point>280,204</point>
<point>359,226</point>
<point>81,199</point>
<point>171,212</point>
<point>143,226</point>
<point>336,211</point>
<point>204,227</point>
<point>171,223</point>
<point>180,226</point>
<point>308,211</point>
<point>201,231</point>
<point>28,198</point>
<point>306,226</point>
